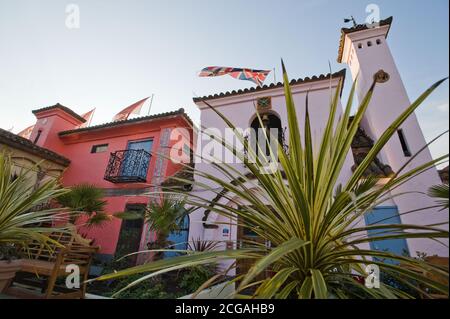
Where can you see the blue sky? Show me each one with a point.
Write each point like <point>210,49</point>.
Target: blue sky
<point>127,50</point>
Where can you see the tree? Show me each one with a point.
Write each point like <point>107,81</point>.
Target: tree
<point>87,200</point>
<point>164,217</point>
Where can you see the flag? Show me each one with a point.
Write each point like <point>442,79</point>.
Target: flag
<point>26,133</point>
<point>132,109</point>
<point>256,76</point>
<point>88,117</point>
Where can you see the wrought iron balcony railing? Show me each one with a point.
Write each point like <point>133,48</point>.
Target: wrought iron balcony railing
<point>128,166</point>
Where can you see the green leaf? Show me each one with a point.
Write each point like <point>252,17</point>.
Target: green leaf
<point>319,284</point>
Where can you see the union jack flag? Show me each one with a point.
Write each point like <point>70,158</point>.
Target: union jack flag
<point>256,76</point>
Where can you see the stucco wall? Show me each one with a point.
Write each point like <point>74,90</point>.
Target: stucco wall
<point>389,100</point>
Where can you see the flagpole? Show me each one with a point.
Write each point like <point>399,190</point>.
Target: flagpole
<point>150,106</point>
<point>92,115</point>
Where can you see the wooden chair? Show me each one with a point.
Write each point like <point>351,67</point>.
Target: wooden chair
<point>52,261</point>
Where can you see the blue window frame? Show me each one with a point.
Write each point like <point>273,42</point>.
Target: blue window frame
<point>129,167</point>
<point>382,216</point>
<point>179,240</point>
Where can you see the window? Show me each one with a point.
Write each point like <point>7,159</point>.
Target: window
<point>378,41</point>
<point>38,135</point>
<point>404,143</point>
<point>383,215</point>
<point>359,45</point>
<point>270,122</point>
<point>369,44</point>
<point>99,148</point>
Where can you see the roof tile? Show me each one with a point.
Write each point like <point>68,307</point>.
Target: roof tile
<point>340,73</point>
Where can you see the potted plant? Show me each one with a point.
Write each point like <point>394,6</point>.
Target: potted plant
<point>9,265</point>
<point>21,221</point>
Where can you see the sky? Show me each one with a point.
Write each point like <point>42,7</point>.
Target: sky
<point>124,51</point>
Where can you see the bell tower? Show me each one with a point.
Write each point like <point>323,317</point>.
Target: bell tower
<point>365,50</point>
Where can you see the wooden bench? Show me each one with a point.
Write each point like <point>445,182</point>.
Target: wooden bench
<point>441,262</point>
<point>51,261</point>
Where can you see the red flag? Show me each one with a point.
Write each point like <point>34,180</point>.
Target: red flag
<point>132,109</point>
<point>26,133</point>
<point>88,117</point>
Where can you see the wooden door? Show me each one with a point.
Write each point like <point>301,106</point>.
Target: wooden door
<point>244,235</point>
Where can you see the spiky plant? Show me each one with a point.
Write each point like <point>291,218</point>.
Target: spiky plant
<point>199,244</point>
<point>307,217</point>
<point>441,194</point>
<point>20,222</point>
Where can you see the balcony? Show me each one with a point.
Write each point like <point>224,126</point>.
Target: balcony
<point>128,166</point>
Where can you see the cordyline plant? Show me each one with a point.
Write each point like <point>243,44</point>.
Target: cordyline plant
<point>308,219</point>
<point>21,220</point>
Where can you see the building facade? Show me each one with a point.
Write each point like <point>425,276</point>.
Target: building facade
<point>366,52</point>
<point>127,159</point>
<point>42,164</point>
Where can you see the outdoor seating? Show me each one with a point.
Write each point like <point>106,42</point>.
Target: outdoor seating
<point>46,266</point>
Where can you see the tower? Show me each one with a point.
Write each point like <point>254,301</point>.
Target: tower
<point>366,51</point>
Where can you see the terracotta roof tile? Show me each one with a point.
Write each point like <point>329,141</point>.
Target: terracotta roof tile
<point>124,122</point>
<point>359,27</point>
<point>361,146</point>
<point>63,108</point>
<point>315,78</point>
<point>26,145</point>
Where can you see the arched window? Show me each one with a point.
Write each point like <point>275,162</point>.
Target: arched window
<point>360,45</point>
<point>269,121</point>
<point>378,41</point>
<point>369,43</point>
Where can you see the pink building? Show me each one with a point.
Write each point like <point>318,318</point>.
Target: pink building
<point>127,159</point>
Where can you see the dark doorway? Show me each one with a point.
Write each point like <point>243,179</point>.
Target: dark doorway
<point>130,234</point>
<point>269,121</point>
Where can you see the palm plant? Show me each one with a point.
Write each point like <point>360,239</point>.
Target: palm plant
<point>441,194</point>
<point>20,223</point>
<point>308,219</point>
<point>87,200</point>
<point>165,217</point>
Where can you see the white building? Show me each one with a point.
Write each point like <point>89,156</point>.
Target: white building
<point>366,51</point>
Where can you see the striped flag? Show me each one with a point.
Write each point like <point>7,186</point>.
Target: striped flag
<point>132,109</point>
<point>88,117</point>
<point>256,76</point>
<point>26,133</point>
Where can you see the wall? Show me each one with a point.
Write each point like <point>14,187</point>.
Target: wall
<point>87,167</point>
<point>240,110</point>
<point>389,100</point>
<point>42,170</point>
